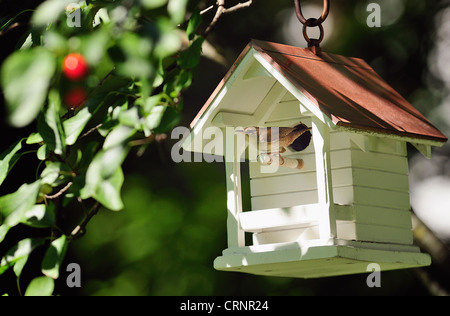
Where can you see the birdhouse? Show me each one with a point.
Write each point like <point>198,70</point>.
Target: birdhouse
<point>318,144</point>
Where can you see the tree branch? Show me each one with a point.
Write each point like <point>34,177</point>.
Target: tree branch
<point>221,10</point>
<point>440,254</point>
<point>80,230</point>
<point>238,6</point>
<point>61,192</point>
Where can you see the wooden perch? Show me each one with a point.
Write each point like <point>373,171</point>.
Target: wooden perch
<point>277,160</point>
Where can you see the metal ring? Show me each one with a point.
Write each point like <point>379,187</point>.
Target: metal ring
<point>316,22</point>
<point>308,23</point>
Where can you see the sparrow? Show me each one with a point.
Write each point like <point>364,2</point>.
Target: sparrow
<point>277,139</point>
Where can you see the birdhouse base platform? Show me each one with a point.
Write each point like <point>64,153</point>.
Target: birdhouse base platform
<point>316,260</point>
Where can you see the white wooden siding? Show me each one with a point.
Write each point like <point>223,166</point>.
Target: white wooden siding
<point>370,180</point>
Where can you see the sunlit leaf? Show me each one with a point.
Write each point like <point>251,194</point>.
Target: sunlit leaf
<point>108,191</point>
<point>50,126</point>
<point>25,79</point>
<point>34,138</point>
<point>40,216</point>
<point>7,159</point>
<point>154,118</point>
<point>3,231</point>
<point>49,11</point>
<point>104,177</point>
<point>177,10</point>
<point>54,257</point>
<point>19,265</point>
<point>19,251</point>
<point>14,206</point>
<point>153,4</point>
<point>118,136</point>
<point>74,126</point>
<point>40,286</point>
<point>55,173</point>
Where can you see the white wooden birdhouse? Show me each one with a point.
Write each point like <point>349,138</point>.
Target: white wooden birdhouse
<point>334,197</point>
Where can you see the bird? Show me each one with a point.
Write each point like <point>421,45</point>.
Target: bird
<point>278,139</point>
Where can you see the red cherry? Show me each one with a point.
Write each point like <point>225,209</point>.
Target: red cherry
<point>75,67</point>
<point>75,97</point>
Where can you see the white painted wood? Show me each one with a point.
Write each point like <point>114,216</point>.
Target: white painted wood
<point>236,236</point>
<point>269,103</point>
<point>283,184</point>
<point>274,219</point>
<point>302,235</point>
<point>288,97</point>
<point>372,197</point>
<point>374,233</point>
<point>401,138</point>
<point>285,111</point>
<point>423,149</point>
<point>256,71</point>
<point>310,244</point>
<point>309,165</point>
<point>284,200</point>
<point>344,212</point>
<point>208,115</point>
<point>370,178</point>
<point>365,214</point>
<point>299,95</point>
<point>321,138</point>
<point>376,161</point>
<point>386,145</point>
<point>223,119</point>
<point>313,259</point>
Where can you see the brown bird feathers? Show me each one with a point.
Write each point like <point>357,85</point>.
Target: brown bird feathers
<point>278,139</point>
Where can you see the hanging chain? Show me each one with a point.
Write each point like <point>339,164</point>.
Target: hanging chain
<point>312,22</point>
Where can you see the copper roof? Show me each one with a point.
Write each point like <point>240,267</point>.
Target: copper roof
<point>345,89</point>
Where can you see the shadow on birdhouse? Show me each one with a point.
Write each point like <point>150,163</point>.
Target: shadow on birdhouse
<point>337,199</point>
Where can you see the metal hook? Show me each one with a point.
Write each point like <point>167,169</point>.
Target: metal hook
<point>316,22</point>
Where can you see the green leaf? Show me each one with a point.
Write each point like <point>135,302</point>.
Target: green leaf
<point>130,118</point>
<point>132,56</point>
<point>190,57</point>
<point>108,191</point>
<point>42,152</point>
<point>170,119</point>
<point>3,231</point>
<point>153,120</point>
<point>21,250</point>
<point>169,41</point>
<point>49,12</point>
<point>7,159</point>
<point>120,134</point>
<point>34,138</point>
<point>25,78</point>
<point>40,216</point>
<point>55,173</point>
<point>50,127</point>
<point>54,257</point>
<point>194,23</point>
<point>40,286</point>
<point>76,124</point>
<point>104,177</point>
<point>177,10</point>
<point>153,4</point>
<point>19,265</point>
<point>14,206</point>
